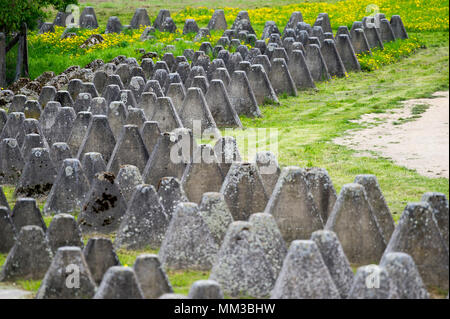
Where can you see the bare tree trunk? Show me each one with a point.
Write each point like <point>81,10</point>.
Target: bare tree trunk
<point>22,54</point>
<point>2,60</point>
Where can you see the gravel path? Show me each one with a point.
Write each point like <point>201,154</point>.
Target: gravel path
<point>419,143</point>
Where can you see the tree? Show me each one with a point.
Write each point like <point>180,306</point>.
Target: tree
<point>14,13</point>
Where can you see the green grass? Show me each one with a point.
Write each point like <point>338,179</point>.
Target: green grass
<point>128,257</point>
<point>2,259</point>
<point>182,280</point>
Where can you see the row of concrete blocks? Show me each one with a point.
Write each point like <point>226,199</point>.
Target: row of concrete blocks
<point>259,82</point>
<point>246,190</point>
<point>163,22</point>
<point>314,268</point>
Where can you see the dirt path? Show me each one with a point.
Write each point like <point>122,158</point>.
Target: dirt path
<point>11,292</point>
<point>416,141</point>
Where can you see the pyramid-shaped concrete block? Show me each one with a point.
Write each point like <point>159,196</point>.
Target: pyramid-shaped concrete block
<point>417,234</point>
<point>241,95</point>
<point>151,277</point>
<point>48,94</point>
<point>334,258</point>
<point>439,204</point>
<point>130,149</point>
<point>140,18</point>
<point>398,28</point>
<point>12,127</point>
<point>372,282</point>
<point>162,16</point>
<point>123,71</point>
<point>223,75</point>
<point>73,88</point>
<point>29,258</point>
<point>149,104</point>
<point>7,230</point>
<point>316,63</point>
<point>373,37</point>
<point>244,191</point>
<point>359,41</point>
<point>205,289</point>
<point>104,206</point>
<point>29,126</point>
<point>166,115</point>
<point>100,256</point>
<point>60,281</point>
<point>18,103</point>
<point>171,193</point>
<point>111,93</point>
<point>177,93</point>
<point>323,21</point>
<point>88,18</point>
<point>63,231</point>
<point>195,111</point>
<point>405,276</point>
<point>353,220</point>
<point>296,17</point>
<point>69,189</point>
<point>386,31</point>
<point>281,78</point>
<point>65,98</point>
<point>32,141</point>
<point>93,163</point>
<point>79,130</point>
<point>58,153</point>
<point>32,109</point>
<point>153,86</point>
<point>380,208</point>
<point>38,174</point>
<point>162,162</point>
<point>203,174</point>
<point>200,82</point>
<point>332,58</point>
<point>234,268</point>
<point>11,161</point>
<point>322,190</point>
<point>214,211</point>
<point>304,274</point>
<point>270,27</point>
<point>150,133</point>
<point>292,205</point>
<point>227,152</point>
<point>188,243</point>
<point>117,117</point>
<point>266,230</point>
<point>144,223</point>
<point>119,283</point>
<point>128,178</point>
<point>347,53</point>
<point>261,85</point>
<point>26,213</point>
<point>218,21</point>
<point>100,76</point>
<point>268,168</point>
<point>98,138</point>
<point>98,106</point>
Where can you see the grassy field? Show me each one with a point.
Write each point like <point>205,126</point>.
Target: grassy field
<point>308,123</point>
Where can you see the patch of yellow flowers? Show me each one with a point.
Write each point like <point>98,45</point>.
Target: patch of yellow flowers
<point>417,15</point>
<point>392,52</point>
